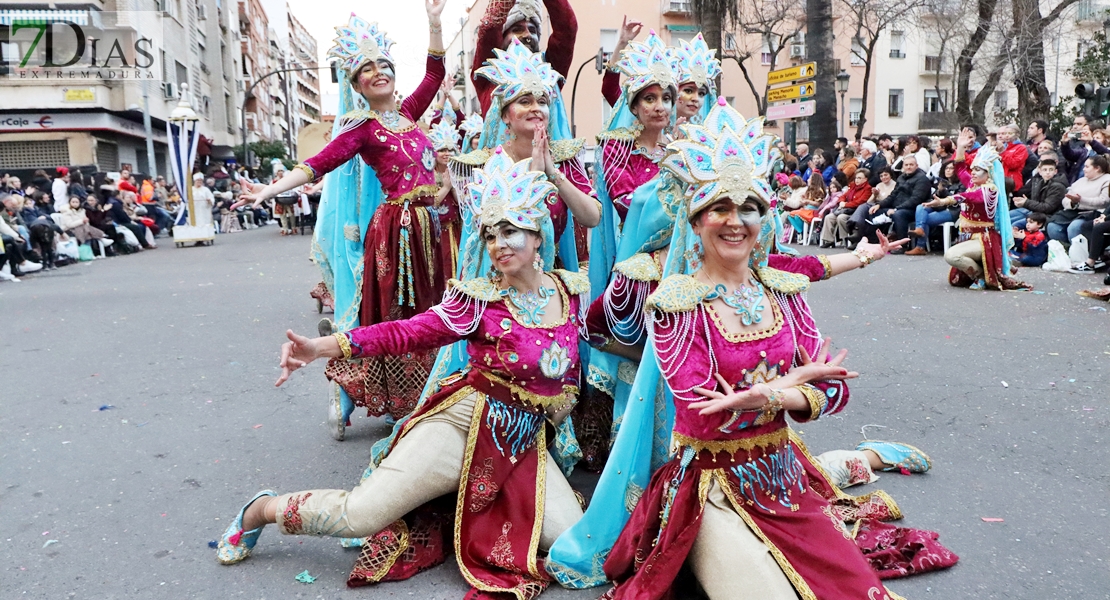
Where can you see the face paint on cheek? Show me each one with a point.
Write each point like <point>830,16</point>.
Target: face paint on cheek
<point>515,240</point>
<point>749,217</point>
<point>387,70</point>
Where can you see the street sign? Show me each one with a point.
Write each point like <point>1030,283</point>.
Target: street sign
<point>792,111</point>
<point>801,90</point>
<point>797,73</point>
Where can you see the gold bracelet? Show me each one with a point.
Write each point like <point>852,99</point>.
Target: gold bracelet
<point>557,178</point>
<point>344,344</point>
<point>774,404</point>
<point>864,258</point>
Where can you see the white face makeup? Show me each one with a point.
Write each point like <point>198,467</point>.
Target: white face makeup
<point>506,236</point>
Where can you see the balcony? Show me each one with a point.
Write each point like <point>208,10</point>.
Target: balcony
<point>897,54</point>
<point>937,122</point>
<point>933,65</point>
<point>677,7</point>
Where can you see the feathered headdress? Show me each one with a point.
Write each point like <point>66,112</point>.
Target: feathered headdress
<point>506,191</point>
<point>726,157</point>
<point>648,63</point>
<point>697,63</point>
<point>360,42</point>
<point>986,158</point>
<point>444,136</point>
<point>518,71</point>
<point>472,124</point>
<point>523,10</point>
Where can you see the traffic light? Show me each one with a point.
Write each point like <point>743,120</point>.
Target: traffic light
<point>1096,101</point>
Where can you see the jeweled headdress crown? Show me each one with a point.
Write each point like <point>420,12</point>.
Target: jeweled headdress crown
<point>523,10</point>
<point>444,136</point>
<point>647,63</point>
<point>473,124</point>
<point>726,157</point>
<point>985,158</point>
<point>697,63</point>
<point>359,42</point>
<point>506,191</point>
<point>518,71</point>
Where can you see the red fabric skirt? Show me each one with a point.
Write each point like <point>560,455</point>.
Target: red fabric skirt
<point>992,263</point>
<point>497,513</point>
<point>804,531</point>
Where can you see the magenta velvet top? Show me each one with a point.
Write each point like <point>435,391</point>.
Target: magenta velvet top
<point>625,168</point>
<point>691,344</point>
<point>403,159</point>
<point>540,360</point>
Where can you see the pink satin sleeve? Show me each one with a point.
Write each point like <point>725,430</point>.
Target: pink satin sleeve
<point>428,330</point>
<point>338,151</point>
<point>809,266</point>
<point>417,103</point>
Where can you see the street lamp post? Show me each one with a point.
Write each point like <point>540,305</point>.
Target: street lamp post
<point>842,86</point>
<point>599,64</point>
<point>247,94</point>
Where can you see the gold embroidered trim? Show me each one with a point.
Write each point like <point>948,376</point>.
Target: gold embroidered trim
<point>476,158</point>
<point>372,115</point>
<point>641,267</point>
<point>895,512</point>
<point>776,438</point>
<point>827,265</point>
<point>747,336</point>
<point>622,134</point>
<point>817,402</point>
<point>344,344</point>
<point>677,293</point>
<point>795,578</point>
<point>479,288</point>
<point>782,281</point>
<point>541,498</point>
<point>564,150</point>
<point>402,545</point>
<point>576,283</point>
<point>419,191</point>
<point>437,53</point>
<point>531,397</point>
<point>307,170</point>
<point>351,233</point>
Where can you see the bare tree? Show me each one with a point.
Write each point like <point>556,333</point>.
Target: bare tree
<point>868,19</point>
<point>775,24</point>
<point>712,16</point>
<point>1027,58</point>
<point>985,10</point>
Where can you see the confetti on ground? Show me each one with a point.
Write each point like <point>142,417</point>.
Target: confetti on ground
<point>46,533</point>
<point>49,542</point>
<point>1071,381</point>
<point>213,544</point>
<point>1005,385</point>
<point>105,407</point>
<point>259,425</point>
<point>304,577</point>
<point>1054,354</point>
<point>1038,291</point>
<point>993,520</point>
<point>1087,408</point>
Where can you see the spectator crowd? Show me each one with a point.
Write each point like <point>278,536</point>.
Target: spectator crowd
<point>74,215</point>
<point>1057,190</point>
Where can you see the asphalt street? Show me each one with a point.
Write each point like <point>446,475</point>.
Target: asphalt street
<point>138,413</point>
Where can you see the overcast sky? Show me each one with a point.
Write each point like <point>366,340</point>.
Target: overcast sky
<point>405,21</point>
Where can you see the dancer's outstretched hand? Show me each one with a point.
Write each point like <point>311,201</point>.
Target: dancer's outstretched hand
<point>877,251</point>
<point>296,353</point>
<point>820,367</point>
<point>750,399</point>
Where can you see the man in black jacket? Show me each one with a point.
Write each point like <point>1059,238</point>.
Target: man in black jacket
<point>871,159</point>
<point>913,188</point>
<point>1044,194</point>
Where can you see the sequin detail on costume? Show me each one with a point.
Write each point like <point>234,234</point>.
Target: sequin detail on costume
<point>483,490</point>
<point>530,304</point>
<point>746,300</point>
<point>554,361</point>
<point>291,522</point>
<point>513,429</point>
<point>775,474</point>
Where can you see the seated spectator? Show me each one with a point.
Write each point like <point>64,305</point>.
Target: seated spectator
<point>872,160</point>
<point>913,188</point>
<point>139,214</point>
<point>819,163</point>
<point>879,193</point>
<point>911,145</point>
<point>14,241</point>
<point>1097,233</point>
<point>815,194</point>
<point>941,209</point>
<point>100,219</point>
<point>1043,193</point>
<point>835,226</point>
<point>36,213</point>
<point>77,186</point>
<point>1077,148</point>
<point>59,188</point>
<point>848,162</point>
<point>795,198</point>
<point>41,181</point>
<point>112,205</point>
<point>1088,195</point>
<point>1030,243</point>
<point>76,223</point>
<point>1036,133</point>
<point>945,150</point>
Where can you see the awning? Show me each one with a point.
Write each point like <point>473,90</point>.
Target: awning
<point>689,28</point>
<point>79,17</point>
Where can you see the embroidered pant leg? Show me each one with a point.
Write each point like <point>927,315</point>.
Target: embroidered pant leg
<point>846,468</point>
<point>560,508</point>
<point>730,561</point>
<point>966,256</point>
<point>425,464</point>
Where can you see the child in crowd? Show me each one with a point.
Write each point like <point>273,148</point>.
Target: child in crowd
<point>1031,245</point>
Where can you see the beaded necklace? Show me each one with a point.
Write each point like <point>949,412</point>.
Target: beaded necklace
<point>746,300</point>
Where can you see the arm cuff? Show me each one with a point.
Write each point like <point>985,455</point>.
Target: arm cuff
<point>344,344</point>
<point>827,265</point>
<point>818,402</point>
<point>437,53</point>
<point>307,171</point>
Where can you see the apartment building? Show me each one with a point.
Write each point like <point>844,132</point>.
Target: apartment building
<point>92,117</point>
<point>254,46</point>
